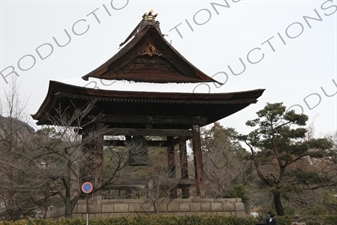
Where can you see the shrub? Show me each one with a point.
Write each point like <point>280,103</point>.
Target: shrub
<point>171,220</point>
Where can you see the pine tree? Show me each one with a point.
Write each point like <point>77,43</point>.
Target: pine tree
<point>282,154</point>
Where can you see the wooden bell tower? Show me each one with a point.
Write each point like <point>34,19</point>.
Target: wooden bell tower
<point>147,57</point>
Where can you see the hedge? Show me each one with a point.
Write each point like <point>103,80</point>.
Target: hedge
<point>171,220</point>
<point>140,220</point>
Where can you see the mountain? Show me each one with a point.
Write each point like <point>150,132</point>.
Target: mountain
<point>17,125</point>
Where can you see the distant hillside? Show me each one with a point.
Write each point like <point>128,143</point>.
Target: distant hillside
<point>18,124</point>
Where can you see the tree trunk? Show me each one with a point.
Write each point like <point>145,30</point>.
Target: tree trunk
<point>68,211</point>
<point>278,204</point>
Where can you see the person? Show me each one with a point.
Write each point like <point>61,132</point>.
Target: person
<point>266,218</point>
<point>272,220</point>
<point>297,221</point>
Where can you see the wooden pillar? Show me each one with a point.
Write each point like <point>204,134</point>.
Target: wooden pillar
<point>198,164</point>
<point>184,166</point>
<point>98,154</point>
<point>128,192</point>
<point>87,165</point>
<point>171,165</point>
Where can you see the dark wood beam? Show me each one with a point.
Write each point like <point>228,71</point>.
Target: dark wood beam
<point>149,143</point>
<point>198,164</point>
<point>122,143</point>
<point>183,166</point>
<point>144,182</point>
<point>150,119</point>
<point>171,165</point>
<point>149,132</point>
<point>98,155</point>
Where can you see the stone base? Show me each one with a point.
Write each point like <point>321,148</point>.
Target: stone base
<point>136,207</point>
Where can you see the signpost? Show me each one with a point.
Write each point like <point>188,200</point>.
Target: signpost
<point>87,189</point>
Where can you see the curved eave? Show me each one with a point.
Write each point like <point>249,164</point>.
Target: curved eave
<point>139,39</point>
<point>58,91</point>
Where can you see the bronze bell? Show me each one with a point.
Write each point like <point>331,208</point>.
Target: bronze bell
<point>138,151</point>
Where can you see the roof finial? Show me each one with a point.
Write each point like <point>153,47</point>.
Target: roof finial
<point>149,16</point>
<point>148,19</point>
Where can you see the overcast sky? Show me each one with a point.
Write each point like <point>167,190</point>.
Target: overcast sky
<point>286,47</point>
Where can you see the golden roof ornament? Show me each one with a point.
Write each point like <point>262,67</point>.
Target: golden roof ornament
<point>149,16</point>
<point>147,19</point>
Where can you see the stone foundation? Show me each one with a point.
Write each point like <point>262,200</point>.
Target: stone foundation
<point>135,207</point>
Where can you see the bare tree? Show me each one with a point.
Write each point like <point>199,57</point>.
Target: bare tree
<point>19,181</point>
<point>224,160</point>
<point>69,154</point>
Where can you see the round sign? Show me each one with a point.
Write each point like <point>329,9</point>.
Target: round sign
<point>87,187</point>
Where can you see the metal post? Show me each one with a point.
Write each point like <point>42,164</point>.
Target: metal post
<point>87,211</point>
<point>87,188</point>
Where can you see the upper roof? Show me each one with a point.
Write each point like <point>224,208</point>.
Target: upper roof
<point>148,57</point>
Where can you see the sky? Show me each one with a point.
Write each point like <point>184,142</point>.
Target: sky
<point>288,48</point>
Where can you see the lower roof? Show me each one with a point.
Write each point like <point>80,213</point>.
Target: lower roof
<point>176,106</point>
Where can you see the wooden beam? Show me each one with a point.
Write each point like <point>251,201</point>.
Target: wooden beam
<point>171,165</point>
<point>122,143</point>
<point>149,132</point>
<point>87,169</point>
<point>144,182</point>
<point>150,119</point>
<point>183,166</point>
<point>199,168</point>
<point>149,143</point>
<point>98,156</point>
